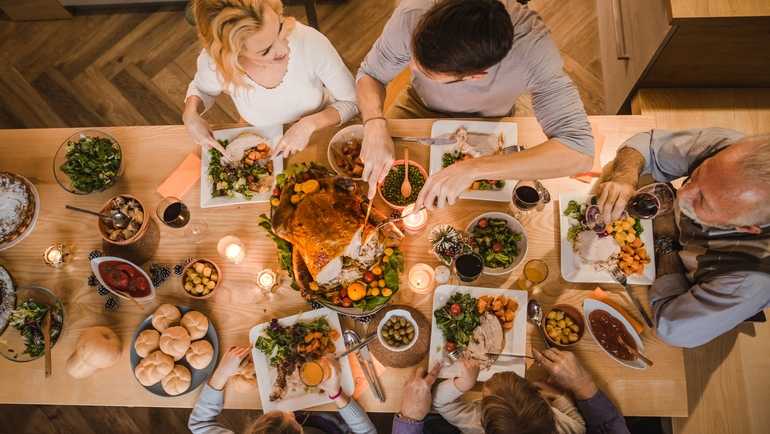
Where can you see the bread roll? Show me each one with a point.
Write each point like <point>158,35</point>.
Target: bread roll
<point>177,381</point>
<point>199,354</point>
<point>153,368</point>
<point>175,341</point>
<point>165,316</point>
<point>196,324</point>
<point>147,342</point>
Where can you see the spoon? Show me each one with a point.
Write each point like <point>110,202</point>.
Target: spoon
<point>406,187</point>
<point>119,220</point>
<point>535,314</point>
<point>634,351</point>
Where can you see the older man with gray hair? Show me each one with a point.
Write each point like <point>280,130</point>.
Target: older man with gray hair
<point>718,274</point>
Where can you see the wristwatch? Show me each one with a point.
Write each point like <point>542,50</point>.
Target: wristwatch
<point>666,246</point>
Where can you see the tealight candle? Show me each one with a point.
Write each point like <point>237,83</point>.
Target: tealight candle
<point>56,255</point>
<point>421,278</point>
<point>266,280</point>
<point>232,249</point>
<point>414,222</point>
<point>442,274</point>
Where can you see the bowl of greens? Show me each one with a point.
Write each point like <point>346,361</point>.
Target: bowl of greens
<point>501,241</point>
<point>88,161</point>
<point>23,340</point>
<point>390,188</point>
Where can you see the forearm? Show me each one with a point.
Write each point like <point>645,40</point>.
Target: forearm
<point>550,159</point>
<point>627,166</point>
<point>371,96</point>
<point>601,415</point>
<point>193,106</point>
<point>325,118</point>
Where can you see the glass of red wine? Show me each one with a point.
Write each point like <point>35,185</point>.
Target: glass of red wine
<point>528,196</point>
<point>651,201</point>
<point>175,214</point>
<point>468,266</point>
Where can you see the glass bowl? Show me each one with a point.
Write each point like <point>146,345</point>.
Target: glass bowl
<point>66,182</point>
<point>12,343</point>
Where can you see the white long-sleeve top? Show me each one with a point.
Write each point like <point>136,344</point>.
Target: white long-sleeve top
<point>315,77</point>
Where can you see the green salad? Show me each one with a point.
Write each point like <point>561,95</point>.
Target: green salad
<point>245,177</point>
<point>457,320</point>
<point>496,242</point>
<point>286,345</point>
<point>92,163</point>
<point>27,318</point>
<point>451,158</point>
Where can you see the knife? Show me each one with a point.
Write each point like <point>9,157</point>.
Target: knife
<point>357,346</point>
<point>365,359</point>
<point>431,141</point>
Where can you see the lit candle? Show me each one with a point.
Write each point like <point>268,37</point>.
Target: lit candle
<point>421,278</point>
<point>232,249</point>
<point>56,255</point>
<point>414,222</point>
<point>266,280</point>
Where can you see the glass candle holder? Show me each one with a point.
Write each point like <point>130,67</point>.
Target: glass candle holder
<point>414,222</point>
<point>232,249</point>
<point>442,274</point>
<point>57,255</point>
<point>267,280</point>
<point>421,278</point>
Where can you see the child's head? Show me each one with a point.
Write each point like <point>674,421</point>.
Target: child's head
<point>510,404</point>
<point>275,422</point>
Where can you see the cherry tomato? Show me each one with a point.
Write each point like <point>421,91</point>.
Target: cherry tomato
<point>455,309</point>
<point>450,346</point>
<point>497,247</point>
<point>482,223</point>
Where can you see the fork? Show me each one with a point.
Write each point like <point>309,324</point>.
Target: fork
<point>619,277</point>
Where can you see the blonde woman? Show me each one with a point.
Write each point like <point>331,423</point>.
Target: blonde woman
<point>276,70</point>
<point>211,400</point>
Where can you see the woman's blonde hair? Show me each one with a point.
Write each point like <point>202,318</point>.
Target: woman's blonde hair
<point>274,422</point>
<point>224,25</point>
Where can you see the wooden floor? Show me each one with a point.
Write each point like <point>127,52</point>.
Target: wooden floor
<point>133,68</point>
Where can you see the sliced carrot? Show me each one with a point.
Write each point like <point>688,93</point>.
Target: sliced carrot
<point>604,296</point>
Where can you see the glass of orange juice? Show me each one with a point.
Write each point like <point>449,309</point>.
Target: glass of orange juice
<point>535,273</point>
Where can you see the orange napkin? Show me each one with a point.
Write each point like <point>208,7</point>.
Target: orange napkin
<point>183,178</point>
<point>596,170</point>
<point>604,297</point>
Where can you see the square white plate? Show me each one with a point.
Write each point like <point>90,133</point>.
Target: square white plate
<point>266,375</point>
<point>510,136</point>
<point>575,270</point>
<point>515,339</point>
<point>273,136</point>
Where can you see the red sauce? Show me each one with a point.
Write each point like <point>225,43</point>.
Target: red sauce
<point>606,328</point>
<point>124,277</point>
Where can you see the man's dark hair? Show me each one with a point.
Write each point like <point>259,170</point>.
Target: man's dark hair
<point>463,37</point>
<point>513,405</point>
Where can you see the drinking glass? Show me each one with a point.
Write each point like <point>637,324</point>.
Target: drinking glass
<point>651,201</point>
<point>175,214</point>
<point>528,196</point>
<point>535,272</point>
<point>468,266</point>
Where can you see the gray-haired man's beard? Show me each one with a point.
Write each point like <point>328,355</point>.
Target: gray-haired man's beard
<point>686,209</point>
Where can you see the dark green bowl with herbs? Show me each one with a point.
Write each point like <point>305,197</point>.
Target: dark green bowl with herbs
<point>88,161</point>
<point>390,189</point>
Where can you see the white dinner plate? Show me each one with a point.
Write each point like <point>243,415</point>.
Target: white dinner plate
<point>266,375</point>
<point>590,305</point>
<point>573,269</point>
<point>515,339</point>
<point>273,136</point>
<point>448,126</point>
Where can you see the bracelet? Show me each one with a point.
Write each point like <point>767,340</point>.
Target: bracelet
<point>408,420</point>
<point>339,393</point>
<point>374,119</point>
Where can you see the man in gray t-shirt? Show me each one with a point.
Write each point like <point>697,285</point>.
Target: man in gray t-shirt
<point>472,58</point>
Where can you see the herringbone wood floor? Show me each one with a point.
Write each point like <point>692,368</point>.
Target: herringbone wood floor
<point>132,68</point>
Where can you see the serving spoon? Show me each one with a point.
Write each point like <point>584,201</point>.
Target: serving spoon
<point>535,314</point>
<point>634,352</point>
<point>406,187</point>
<point>118,219</point>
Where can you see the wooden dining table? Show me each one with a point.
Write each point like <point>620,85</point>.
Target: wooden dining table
<point>151,153</point>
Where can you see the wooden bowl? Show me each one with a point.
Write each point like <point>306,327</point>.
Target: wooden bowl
<point>396,164</point>
<point>216,269</point>
<point>138,235</point>
<point>574,315</point>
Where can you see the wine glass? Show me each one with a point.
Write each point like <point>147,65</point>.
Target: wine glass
<point>175,214</point>
<point>468,266</point>
<point>651,201</point>
<point>528,196</point>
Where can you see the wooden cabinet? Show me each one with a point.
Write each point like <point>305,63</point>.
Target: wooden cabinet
<point>682,43</point>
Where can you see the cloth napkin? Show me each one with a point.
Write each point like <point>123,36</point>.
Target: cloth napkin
<point>182,178</point>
